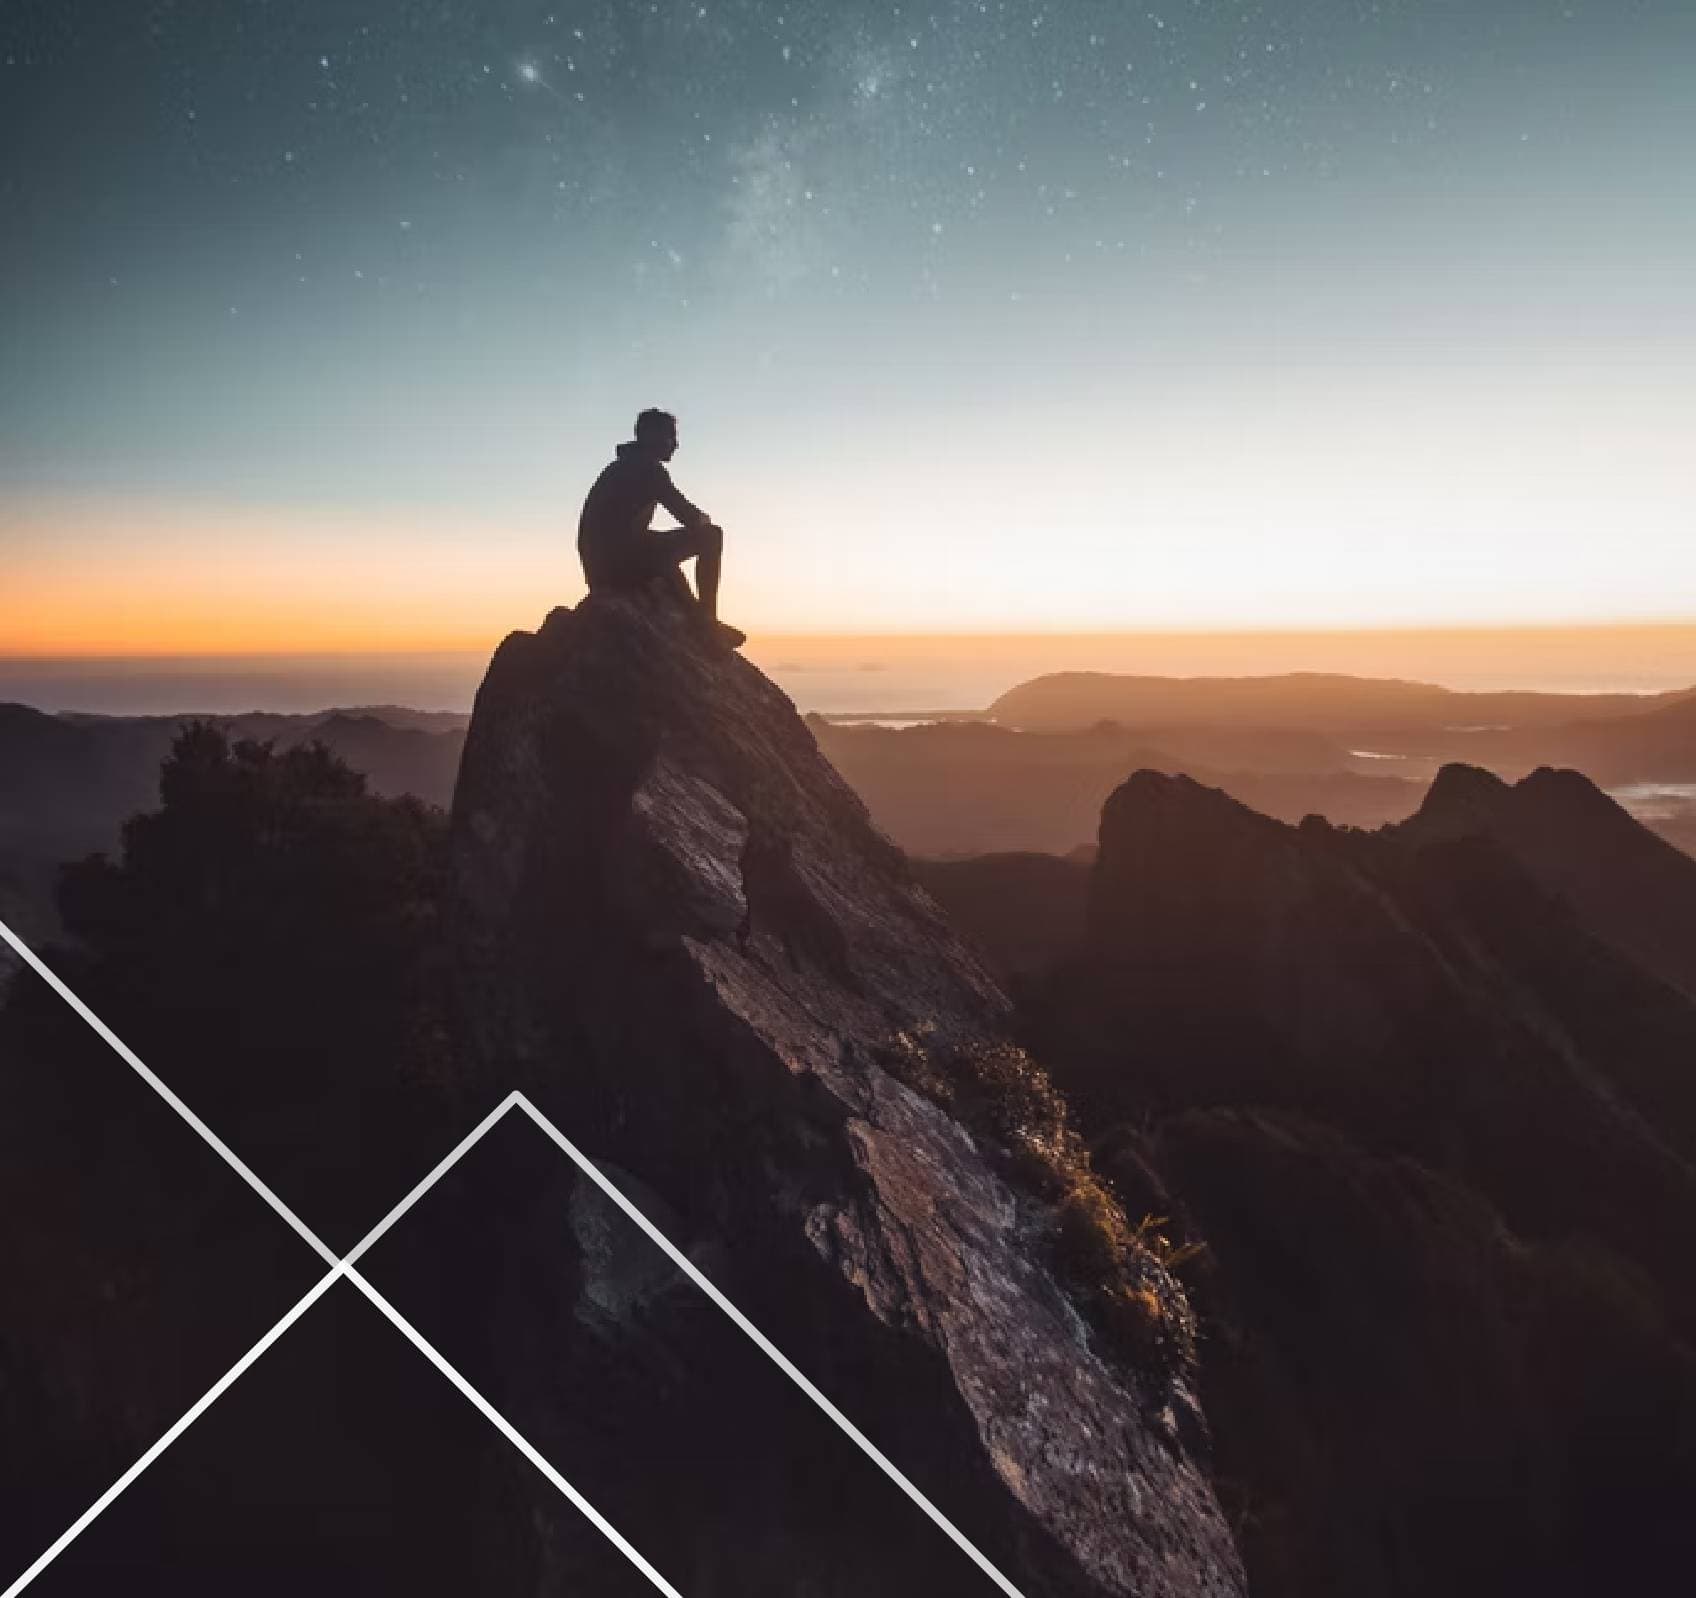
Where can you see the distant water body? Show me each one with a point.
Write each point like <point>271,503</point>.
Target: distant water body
<point>864,684</point>
<point>448,682</point>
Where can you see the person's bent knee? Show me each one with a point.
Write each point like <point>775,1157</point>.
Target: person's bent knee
<point>712,539</point>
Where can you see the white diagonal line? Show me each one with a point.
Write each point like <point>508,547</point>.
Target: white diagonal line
<point>344,1267</point>
<point>509,1431</point>
<point>768,1347</point>
<point>183,1422</point>
<point>417,1339</point>
<point>442,1167</point>
<point>124,1053</point>
<point>339,1268</point>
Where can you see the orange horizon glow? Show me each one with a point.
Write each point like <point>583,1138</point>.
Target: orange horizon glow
<point>93,579</point>
<point>102,579</point>
<point>1547,657</point>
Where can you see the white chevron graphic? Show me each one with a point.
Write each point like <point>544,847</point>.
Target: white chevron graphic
<point>343,1268</point>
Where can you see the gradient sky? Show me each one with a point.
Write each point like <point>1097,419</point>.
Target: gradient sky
<point>318,316</point>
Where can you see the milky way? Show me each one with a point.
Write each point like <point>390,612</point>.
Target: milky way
<point>389,251</point>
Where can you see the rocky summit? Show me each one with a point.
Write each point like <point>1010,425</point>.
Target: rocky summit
<point>679,933</point>
<point>1630,887</point>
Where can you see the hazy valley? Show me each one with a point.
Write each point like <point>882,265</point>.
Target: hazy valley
<point>1028,773</point>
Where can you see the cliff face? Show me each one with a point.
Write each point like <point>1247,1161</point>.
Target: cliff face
<point>681,935</point>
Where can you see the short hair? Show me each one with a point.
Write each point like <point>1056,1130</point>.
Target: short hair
<point>651,423</point>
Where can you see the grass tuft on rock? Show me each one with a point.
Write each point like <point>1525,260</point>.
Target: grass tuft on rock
<point>1121,1275</point>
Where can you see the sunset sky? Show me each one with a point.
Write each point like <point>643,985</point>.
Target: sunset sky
<point>317,318</point>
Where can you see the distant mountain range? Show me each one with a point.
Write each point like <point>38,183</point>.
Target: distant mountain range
<point>1329,702</point>
<point>1358,751</point>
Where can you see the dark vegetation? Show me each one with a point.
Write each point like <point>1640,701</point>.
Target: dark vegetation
<point>68,783</point>
<point>1121,1273</point>
<point>268,894</point>
<point>267,939</point>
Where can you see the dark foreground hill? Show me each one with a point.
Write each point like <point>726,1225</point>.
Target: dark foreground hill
<point>1426,1097</point>
<point>1422,1099</point>
<point>660,913</point>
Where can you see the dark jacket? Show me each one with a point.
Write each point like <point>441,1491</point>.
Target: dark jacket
<point>619,507</point>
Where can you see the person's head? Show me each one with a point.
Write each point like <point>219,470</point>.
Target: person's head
<point>656,432</point>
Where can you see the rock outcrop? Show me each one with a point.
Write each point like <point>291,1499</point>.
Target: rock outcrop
<point>1628,885</point>
<point>680,934</point>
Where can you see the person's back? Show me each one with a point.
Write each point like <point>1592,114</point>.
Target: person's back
<point>620,551</point>
<point>616,511</point>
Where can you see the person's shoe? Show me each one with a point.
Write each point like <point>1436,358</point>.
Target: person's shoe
<point>718,631</point>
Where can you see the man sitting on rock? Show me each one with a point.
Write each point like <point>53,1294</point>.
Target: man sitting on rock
<point>622,553</point>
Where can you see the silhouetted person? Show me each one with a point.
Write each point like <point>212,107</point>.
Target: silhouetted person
<point>622,553</point>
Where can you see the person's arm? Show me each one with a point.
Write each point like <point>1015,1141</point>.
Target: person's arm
<point>689,515</point>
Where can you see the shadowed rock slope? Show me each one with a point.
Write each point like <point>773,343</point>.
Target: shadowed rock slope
<point>682,936</point>
<point>1437,1131</point>
<point>1024,910</point>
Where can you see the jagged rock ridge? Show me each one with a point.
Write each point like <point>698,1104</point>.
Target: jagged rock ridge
<point>1437,1131</point>
<point>681,934</point>
<point>1630,886</point>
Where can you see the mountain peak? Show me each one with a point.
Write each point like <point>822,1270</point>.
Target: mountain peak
<point>1460,792</point>
<point>1559,787</point>
<point>1148,796</point>
<point>681,934</point>
<point>1633,887</point>
<point>1201,834</point>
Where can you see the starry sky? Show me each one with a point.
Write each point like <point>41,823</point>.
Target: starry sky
<point>318,316</point>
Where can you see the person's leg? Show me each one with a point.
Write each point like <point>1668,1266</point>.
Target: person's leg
<point>709,567</point>
<point>705,545</point>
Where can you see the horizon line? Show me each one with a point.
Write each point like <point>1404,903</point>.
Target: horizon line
<point>1432,629</point>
